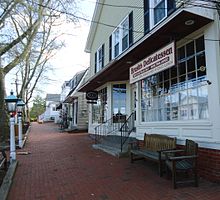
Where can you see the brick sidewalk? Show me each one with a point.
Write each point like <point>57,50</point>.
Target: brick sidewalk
<point>64,166</point>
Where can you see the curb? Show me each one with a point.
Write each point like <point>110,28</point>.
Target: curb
<point>26,136</point>
<point>7,181</point>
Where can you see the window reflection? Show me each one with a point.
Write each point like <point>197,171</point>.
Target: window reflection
<point>178,93</point>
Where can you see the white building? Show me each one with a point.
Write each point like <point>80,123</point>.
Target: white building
<point>51,114</point>
<point>160,59</point>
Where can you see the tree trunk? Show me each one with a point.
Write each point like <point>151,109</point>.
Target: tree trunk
<point>4,120</point>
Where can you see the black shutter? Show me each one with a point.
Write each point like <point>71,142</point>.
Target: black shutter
<point>110,48</point>
<point>103,54</point>
<point>95,62</point>
<point>171,6</point>
<point>130,29</point>
<point>146,16</point>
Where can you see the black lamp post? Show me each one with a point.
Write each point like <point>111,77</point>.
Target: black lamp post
<point>20,106</point>
<point>11,101</point>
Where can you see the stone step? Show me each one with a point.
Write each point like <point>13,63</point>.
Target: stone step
<point>111,150</point>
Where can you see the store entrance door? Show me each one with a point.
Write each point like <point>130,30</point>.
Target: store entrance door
<point>119,103</point>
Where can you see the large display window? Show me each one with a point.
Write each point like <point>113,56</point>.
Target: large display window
<point>180,92</point>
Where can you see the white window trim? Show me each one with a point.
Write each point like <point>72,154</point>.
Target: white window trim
<point>98,64</point>
<point>153,5</point>
<point>120,38</point>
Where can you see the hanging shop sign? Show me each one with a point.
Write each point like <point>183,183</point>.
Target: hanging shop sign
<point>156,62</point>
<point>92,95</point>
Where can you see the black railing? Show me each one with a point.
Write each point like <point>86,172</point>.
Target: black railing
<point>127,128</point>
<point>110,126</point>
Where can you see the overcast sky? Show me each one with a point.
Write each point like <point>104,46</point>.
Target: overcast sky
<point>71,58</point>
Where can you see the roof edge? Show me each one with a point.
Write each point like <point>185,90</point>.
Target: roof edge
<point>93,25</point>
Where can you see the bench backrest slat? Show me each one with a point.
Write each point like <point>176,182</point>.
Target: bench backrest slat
<point>156,142</point>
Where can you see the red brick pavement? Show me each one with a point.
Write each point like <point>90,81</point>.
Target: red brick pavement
<point>64,166</point>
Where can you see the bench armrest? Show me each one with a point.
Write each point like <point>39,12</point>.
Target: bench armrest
<point>178,158</point>
<point>169,150</point>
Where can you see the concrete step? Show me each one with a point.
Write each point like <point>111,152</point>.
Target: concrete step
<point>111,150</point>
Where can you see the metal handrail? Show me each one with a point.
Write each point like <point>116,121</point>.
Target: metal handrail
<point>127,128</point>
<point>109,126</point>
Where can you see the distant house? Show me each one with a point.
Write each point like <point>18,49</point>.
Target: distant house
<point>65,90</point>
<point>51,114</point>
<point>74,107</point>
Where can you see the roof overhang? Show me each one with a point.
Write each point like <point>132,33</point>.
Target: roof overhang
<point>172,28</point>
<point>94,25</point>
<point>69,99</point>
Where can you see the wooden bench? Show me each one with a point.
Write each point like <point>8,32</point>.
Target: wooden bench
<point>3,160</point>
<point>152,148</point>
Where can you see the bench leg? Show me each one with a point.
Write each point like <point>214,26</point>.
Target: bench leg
<point>132,157</point>
<point>160,169</point>
<point>174,174</point>
<point>196,177</point>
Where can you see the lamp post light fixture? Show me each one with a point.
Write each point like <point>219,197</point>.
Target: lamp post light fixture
<point>20,105</point>
<point>11,101</point>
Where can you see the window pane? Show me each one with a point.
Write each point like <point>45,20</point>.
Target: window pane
<point>116,50</point>
<point>160,77</point>
<point>184,112</point>
<point>166,86</point>
<point>203,102</point>
<point>116,36</point>
<point>191,65</point>
<point>159,12</point>
<point>201,64</point>
<point>190,49</point>
<point>181,53</point>
<point>183,97</point>
<point>182,79</point>
<point>124,42</point>
<point>166,75</point>
<point>200,46</point>
<point>174,72</point>
<point>125,27</point>
<point>182,68</point>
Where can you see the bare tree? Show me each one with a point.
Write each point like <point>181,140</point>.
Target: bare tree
<point>28,41</point>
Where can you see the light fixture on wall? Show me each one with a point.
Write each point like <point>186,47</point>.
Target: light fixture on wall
<point>189,22</point>
<point>129,62</point>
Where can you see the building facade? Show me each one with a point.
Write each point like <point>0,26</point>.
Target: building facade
<point>51,113</point>
<point>161,60</point>
<point>74,106</point>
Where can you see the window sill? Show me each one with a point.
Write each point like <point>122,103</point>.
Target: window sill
<point>182,123</point>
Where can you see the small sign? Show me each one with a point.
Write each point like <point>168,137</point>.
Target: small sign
<point>92,95</point>
<point>92,102</point>
<point>156,62</point>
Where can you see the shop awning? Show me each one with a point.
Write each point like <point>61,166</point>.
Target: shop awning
<point>69,99</point>
<point>173,28</point>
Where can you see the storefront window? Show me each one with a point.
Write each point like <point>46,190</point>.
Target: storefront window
<point>99,110</point>
<point>180,92</point>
